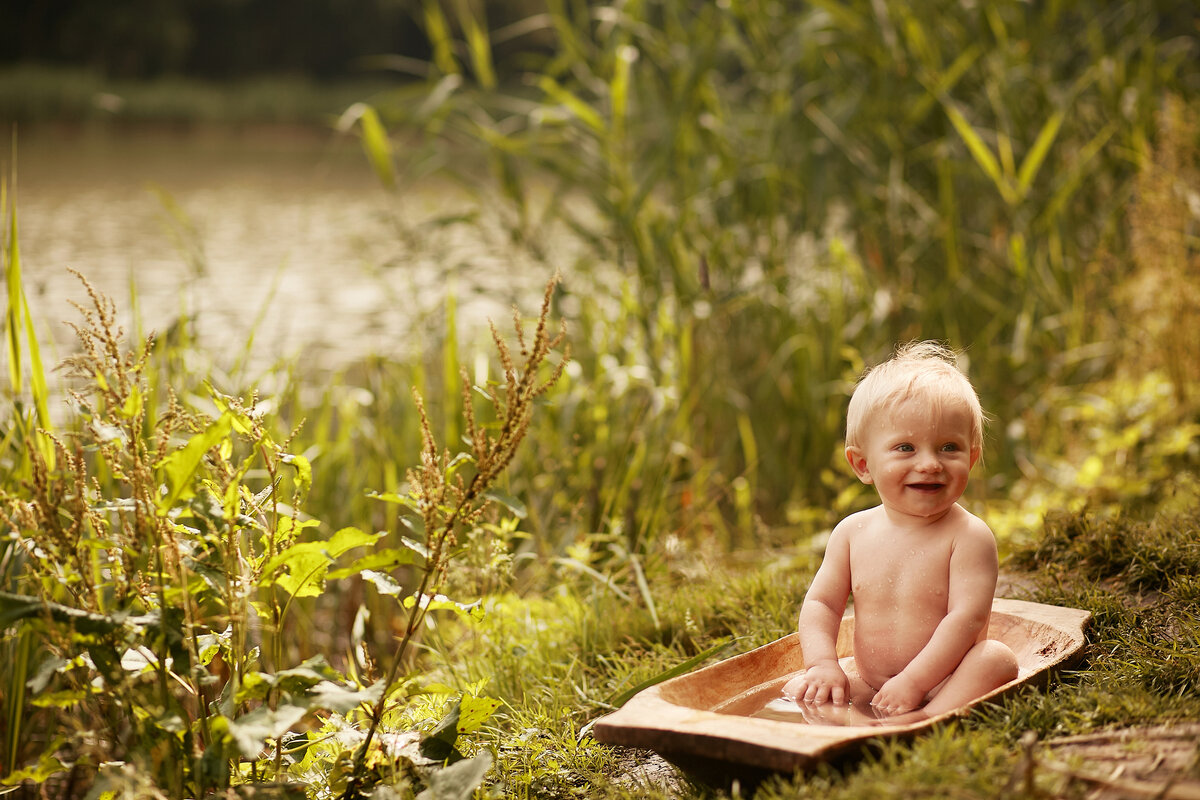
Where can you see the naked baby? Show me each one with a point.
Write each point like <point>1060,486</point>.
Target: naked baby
<point>921,568</point>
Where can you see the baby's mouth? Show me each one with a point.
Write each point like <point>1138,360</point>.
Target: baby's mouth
<point>927,487</point>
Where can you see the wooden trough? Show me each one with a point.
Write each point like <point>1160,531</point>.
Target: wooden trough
<point>728,718</point>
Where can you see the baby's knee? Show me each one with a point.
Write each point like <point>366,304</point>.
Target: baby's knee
<point>997,659</point>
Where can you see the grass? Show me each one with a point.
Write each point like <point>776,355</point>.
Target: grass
<point>555,666</point>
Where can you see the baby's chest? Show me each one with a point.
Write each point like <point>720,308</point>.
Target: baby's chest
<point>900,574</point>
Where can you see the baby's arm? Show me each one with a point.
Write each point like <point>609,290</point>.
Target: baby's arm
<point>973,573</point>
<point>820,617</point>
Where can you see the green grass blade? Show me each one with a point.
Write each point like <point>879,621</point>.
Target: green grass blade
<point>572,103</point>
<point>675,671</point>
<point>18,674</point>
<point>478,46</point>
<point>438,32</point>
<point>1037,154</point>
<point>12,317</point>
<point>979,151</point>
<point>377,146</point>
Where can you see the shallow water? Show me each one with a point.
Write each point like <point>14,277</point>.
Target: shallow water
<point>848,715</point>
<point>283,235</point>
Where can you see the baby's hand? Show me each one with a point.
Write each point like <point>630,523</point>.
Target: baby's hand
<point>898,695</point>
<point>819,684</point>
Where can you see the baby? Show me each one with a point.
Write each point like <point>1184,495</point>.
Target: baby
<point>922,568</point>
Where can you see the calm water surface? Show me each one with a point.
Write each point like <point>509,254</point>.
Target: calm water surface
<point>286,236</point>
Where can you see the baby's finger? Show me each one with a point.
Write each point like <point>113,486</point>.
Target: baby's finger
<point>839,696</point>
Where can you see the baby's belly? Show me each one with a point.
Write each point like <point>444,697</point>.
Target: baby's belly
<point>882,650</point>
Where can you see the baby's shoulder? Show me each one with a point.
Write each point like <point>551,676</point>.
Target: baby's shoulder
<point>859,521</point>
<point>967,525</point>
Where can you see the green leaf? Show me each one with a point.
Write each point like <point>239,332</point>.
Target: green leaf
<point>459,780</point>
<point>441,602</point>
<point>62,699</point>
<point>439,744</point>
<point>303,471</point>
<point>251,731</point>
<point>180,467</point>
<point>47,765</point>
<point>340,699</point>
<point>380,560</point>
<point>307,562</point>
<point>384,584</point>
<point>514,505</point>
<point>475,711</point>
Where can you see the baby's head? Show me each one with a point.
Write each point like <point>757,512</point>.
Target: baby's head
<point>926,371</point>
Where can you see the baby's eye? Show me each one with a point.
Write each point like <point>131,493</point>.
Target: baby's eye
<point>904,448</point>
<point>950,447</point>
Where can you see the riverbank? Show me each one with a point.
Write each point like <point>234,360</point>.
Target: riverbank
<point>74,97</point>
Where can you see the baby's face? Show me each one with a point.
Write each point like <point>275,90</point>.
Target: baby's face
<point>918,457</point>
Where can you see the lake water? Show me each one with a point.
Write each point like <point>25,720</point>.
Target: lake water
<point>285,235</point>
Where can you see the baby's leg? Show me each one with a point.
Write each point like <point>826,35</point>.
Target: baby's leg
<point>986,666</point>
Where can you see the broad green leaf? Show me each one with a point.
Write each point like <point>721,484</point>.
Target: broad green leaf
<point>458,781</point>
<point>241,421</point>
<point>441,602</point>
<point>209,644</point>
<point>384,583</point>
<point>62,699</point>
<point>179,468</point>
<point>338,698</point>
<point>337,544</point>
<point>475,711</point>
<point>381,560</point>
<point>392,497</point>
<point>514,505</point>
<point>250,732</point>
<point>439,744</point>
<point>47,765</point>
<point>307,562</point>
<point>303,471</point>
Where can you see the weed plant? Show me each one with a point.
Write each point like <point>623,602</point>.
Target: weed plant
<point>154,553</point>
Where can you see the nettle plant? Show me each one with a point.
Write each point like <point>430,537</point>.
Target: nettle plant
<point>158,551</point>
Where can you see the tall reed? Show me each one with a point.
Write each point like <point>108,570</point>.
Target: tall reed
<point>787,192</point>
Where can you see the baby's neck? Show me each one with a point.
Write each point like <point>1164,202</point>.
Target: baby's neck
<point>913,522</point>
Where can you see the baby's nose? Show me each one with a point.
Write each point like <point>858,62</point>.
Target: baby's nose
<point>929,463</point>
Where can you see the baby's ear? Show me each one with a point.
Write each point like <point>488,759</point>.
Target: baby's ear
<point>976,452</point>
<point>858,463</point>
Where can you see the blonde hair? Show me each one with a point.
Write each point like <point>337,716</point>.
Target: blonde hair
<point>928,370</point>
